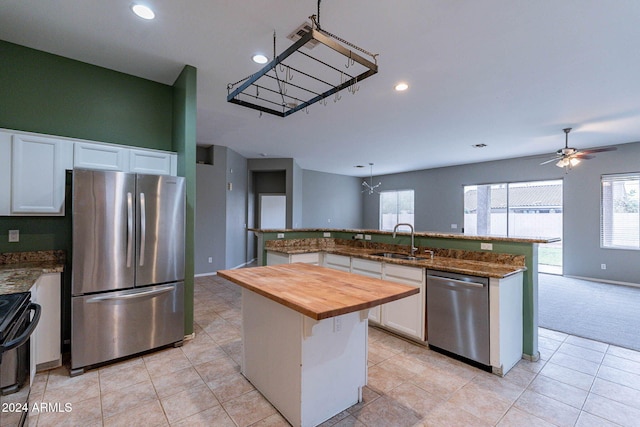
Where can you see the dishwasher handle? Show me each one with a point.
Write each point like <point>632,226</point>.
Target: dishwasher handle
<point>456,281</point>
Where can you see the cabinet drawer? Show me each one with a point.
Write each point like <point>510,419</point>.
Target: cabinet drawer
<point>337,260</point>
<point>311,258</point>
<point>411,274</point>
<point>366,265</point>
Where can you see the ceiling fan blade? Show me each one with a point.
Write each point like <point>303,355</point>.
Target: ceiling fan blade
<point>598,150</point>
<point>583,156</point>
<point>555,159</point>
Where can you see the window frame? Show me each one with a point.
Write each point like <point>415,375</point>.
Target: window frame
<point>616,177</point>
<point>380,213</point>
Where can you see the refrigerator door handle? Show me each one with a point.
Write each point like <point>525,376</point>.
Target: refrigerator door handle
<point>143,228</point>
<point>129,228</point>
<point>132,295</point>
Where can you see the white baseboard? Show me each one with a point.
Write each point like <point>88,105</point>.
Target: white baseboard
<point>215,273</point>
<point>613,282</point>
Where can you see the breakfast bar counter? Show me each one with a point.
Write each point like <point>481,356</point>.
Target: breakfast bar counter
<point>305,335</point>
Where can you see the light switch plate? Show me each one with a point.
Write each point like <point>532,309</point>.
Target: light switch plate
<point>280,235</point>
<point>326,234</point>
<point>486,246</point>
<point>367,237</point>
<point>14,235</point>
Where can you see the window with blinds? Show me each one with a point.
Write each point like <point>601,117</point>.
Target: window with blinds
<point>619,215</point>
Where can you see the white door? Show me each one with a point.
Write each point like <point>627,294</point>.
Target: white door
<point>273,211</point>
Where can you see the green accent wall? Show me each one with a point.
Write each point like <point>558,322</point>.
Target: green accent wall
<point>530,277</point>
<point>184,142</point>
<point>45,93</point>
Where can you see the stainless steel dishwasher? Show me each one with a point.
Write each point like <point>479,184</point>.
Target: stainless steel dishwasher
<point>458,314</point>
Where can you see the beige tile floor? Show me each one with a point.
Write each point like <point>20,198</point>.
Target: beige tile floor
<point>577,382</point>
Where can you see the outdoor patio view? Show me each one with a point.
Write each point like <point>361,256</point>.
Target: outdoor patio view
<point>521,209</point>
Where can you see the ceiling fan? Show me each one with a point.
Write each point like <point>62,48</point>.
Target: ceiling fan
<point>569,157</point>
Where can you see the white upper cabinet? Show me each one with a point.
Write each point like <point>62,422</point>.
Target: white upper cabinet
<point>152,162</point>
<point>5,173</point>
<point>33,168</point>
<point>38,167</point>
<point>88,155</point>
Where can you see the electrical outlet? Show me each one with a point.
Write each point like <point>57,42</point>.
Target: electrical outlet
<point>326,234</point>
<point>14,235</point>
<point>486,246</point>
<point>603,266</point>
<point>210,260</point>
<point>359,237</point>
<point>280,235</point>
<point>367,237</point>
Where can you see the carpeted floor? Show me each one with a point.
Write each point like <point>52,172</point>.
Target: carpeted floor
<point>599,311</point>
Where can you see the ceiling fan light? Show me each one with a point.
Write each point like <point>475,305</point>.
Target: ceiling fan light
<point>574,161</point>
<point>562,163</point>
<point>143,11</point>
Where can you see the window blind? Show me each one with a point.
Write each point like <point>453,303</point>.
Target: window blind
<point>619,215</point>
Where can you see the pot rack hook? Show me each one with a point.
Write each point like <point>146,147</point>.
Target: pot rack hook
<point>289,74</point>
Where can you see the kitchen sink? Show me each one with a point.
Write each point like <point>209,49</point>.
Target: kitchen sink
<point>396,255</point>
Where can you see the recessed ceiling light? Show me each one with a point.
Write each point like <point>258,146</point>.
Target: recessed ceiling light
<point>259,58</point>
<point>143,11</point>
<point>402,86</point>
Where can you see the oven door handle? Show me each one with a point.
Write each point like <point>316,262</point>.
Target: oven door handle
<point>18,341</point>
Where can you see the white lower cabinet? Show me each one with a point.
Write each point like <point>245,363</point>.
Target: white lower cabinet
<point>46,339</point>
<point>337,262</point>
<point>406,315</point>
<point>373,269</point>
<point>275,258</point>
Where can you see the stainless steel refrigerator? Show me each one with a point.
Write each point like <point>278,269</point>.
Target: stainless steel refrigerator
<point>127,265</point>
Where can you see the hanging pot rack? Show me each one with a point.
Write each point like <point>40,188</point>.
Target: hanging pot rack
<point>283,88</point>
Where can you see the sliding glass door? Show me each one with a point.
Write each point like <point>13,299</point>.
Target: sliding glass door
<point>519,209</point>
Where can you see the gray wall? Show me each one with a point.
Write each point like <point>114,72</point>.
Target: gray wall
<point>439,203</point>
<point>220,229</point>
<point>236,239</point>
<point>330,201</point>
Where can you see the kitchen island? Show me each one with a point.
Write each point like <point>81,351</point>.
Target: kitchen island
<point>305,335</point>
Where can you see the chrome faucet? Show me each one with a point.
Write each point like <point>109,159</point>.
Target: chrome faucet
<point>413,248</point>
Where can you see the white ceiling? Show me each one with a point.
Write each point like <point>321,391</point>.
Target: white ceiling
<point>507,73</point>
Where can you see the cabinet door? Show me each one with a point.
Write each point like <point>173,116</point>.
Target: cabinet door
<point>406,315</point>
<point>38,174</point>
<point>100,156</point>
<point>275,258</point>
<point>5,173</point>
<point>46,342</point>
<point>150,162</point>
<point>369,268</point>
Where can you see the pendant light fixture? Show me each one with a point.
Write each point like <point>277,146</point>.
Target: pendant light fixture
<point>369,187</point>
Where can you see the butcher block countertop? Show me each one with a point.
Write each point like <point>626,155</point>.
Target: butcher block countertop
<point>317,292</point>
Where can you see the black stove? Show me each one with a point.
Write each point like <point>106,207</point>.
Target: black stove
<point>11,306</point>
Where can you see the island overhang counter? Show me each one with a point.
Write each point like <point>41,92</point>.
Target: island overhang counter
<point>304,332</point>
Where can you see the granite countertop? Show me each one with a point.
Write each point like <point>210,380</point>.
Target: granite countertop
<point>316,292</point>
<point>418,234</point>
<point>20,270</point>
<point>455,261</point>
